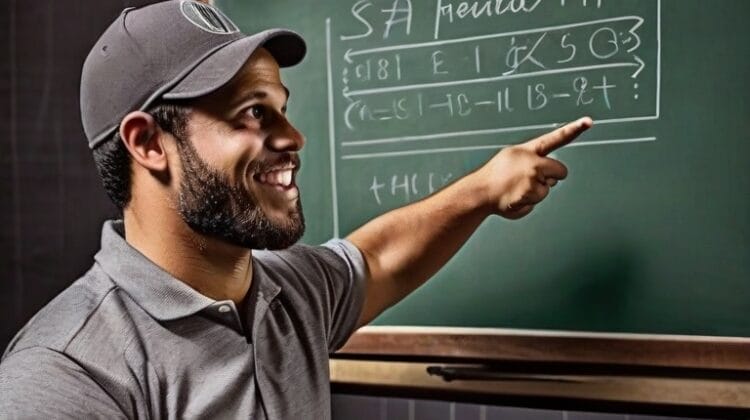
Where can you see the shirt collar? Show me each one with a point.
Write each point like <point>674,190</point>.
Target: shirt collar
<point>153,289</point>
<point>160,294</point>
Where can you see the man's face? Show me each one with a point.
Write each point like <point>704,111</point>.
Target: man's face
<point>239,162</point>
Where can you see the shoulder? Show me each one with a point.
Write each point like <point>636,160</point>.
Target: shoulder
<point>312,271</point>
<point>314,277</point>
<point>39,382</point>
<point>335,257</point>
<point>55,325</point>
<point>30,362</point>
<point>324,284</point>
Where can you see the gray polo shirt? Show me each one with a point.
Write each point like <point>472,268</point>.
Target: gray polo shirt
<point>127,340</point>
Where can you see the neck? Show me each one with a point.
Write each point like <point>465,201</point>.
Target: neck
<point>212,267</point>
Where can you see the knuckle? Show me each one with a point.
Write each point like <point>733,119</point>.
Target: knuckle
<point>514,150</point>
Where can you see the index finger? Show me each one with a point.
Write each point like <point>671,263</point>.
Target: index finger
<point>548,143</point>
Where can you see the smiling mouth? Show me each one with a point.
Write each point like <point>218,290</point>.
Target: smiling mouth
<point>281,178</point>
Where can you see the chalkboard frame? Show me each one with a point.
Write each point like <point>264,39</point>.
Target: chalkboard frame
<point>687,397</point>
<point>495,345</point>
<point>608,372</point>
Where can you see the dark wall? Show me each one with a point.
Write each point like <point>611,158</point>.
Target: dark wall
<point>51,201</point>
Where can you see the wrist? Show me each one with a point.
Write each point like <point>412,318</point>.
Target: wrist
<point>476,192</point>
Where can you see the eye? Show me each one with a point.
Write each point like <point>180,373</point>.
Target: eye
<point>256,112</point>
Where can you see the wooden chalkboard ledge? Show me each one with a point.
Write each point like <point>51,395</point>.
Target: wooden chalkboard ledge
<point>622,394</point>
<point>550,369</point>
<point>728,355</point>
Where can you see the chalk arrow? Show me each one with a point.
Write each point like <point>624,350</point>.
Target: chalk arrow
<point>641,66</point>
<point>345,92</point>
<point>347,56</point>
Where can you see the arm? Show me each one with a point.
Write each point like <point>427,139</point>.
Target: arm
<point>405,247</point>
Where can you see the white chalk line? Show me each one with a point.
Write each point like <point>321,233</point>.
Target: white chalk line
<point>540,73</point>
<point>487,147</point>
<point>331,132</point>
<point>488,36</point>
<point>401,139</point>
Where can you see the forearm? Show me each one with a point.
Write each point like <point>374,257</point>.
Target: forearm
<point>405,247</point>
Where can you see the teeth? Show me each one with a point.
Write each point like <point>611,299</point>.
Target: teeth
<point>282,177</point>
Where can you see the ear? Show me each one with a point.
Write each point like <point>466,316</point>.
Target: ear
<point>144,140</point>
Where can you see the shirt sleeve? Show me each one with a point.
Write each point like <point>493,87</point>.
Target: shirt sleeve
<point>346,293</point>
<point>41,383</point>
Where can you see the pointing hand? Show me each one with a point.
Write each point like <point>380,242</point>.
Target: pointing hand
<point>519,177</point>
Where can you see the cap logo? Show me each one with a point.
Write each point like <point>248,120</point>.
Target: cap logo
<point>207,17</point>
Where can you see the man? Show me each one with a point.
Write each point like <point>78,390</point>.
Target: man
<point>182,315</point>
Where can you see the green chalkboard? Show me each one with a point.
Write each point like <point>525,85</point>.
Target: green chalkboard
<point>650,233</point>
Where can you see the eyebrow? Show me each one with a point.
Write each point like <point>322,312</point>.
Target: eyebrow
<point>256,94</point>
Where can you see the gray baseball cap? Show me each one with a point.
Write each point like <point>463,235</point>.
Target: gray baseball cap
<point>177,49</point>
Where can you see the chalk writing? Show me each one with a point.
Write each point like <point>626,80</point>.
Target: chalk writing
<point>508,79</point>
<point>403,188</point>
<point>409,78</point>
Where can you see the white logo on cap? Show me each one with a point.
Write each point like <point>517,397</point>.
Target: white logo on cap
<point>207,17</point>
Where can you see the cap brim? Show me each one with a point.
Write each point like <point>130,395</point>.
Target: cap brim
<point>217,69</point>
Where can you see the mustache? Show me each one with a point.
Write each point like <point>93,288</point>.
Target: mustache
<point>284,159</point>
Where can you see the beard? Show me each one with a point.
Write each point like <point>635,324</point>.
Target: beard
<point>210,205</point>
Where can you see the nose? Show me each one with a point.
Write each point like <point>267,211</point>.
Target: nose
<point>284,137</point>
